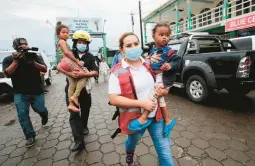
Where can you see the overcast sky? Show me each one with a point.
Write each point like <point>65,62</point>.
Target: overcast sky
<point>27,18</point>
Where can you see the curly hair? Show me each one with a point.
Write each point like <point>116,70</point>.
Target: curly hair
<point>161,24</point>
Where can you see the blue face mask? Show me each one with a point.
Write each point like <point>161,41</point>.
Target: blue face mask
<point>81,47</point>
<point>134,54</point>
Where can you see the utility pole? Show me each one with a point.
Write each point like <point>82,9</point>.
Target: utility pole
<point>104,24</point>
<point>141,24</point>
<point>132,20</point>
<point>104,41</point>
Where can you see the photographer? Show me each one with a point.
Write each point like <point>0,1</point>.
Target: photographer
<point>24,69</point>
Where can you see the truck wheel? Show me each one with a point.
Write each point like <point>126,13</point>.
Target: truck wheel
<point>238,91</point>
<point>197,89</point>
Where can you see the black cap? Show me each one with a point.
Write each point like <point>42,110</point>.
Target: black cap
<point>18,41</point>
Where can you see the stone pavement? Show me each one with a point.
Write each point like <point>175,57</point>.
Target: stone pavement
<point>194,142</point>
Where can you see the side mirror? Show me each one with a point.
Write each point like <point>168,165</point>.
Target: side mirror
<point>193,46</point>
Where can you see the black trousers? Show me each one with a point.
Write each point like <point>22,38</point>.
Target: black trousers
<point>79,121</point>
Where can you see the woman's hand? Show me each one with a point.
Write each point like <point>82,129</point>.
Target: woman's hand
<point>160,90</point>
<point>78,73</point>
<point>71,74</point>
<point>148,104</point>
<point>80,63</point>
<point>166,67</point>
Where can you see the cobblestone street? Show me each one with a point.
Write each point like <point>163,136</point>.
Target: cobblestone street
<point>204,135</point>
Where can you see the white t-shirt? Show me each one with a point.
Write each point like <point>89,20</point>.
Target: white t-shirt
<point>80,55</point>
<point>103,67</point>
<point>143,81</point>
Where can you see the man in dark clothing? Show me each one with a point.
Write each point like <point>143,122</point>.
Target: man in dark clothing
<point>24,70</point>
<point>79,123</point>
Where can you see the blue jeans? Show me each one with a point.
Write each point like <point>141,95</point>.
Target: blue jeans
<point>22,103</point>
<point>162,145</point>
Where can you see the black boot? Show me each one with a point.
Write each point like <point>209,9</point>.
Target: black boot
<point>78,146</point>
<point>44,117</point>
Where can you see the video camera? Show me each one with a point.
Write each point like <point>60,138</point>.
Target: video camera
<point>17,45</point>
<point>21,49</point>
<point>27,56</point>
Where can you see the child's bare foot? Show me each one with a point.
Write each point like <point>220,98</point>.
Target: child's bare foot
<point>73,108</point>
<point>75,100</point>
<point>142,120</point>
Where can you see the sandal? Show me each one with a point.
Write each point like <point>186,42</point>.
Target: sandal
<point>135,125</point>
<point>168,128</point>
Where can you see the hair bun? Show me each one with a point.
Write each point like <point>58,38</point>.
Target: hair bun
<point>59,23</point>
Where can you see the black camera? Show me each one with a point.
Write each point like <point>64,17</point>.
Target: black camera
<point>24,54</point>
<point>21,49</point>
<point>17,45</point>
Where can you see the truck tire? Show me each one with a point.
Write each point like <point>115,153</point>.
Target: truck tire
<point>197,89</point>
<point>238,91</point>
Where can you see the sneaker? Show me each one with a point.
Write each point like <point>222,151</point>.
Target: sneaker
<point>44,118</point>
<point>130,158</point>
<point>86,131</point>
<point>78,147</point>
<point>30,142</point>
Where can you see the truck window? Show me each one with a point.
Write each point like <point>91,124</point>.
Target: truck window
<point>209,45</point>
<point>175,47</point>
<point>243,44</point>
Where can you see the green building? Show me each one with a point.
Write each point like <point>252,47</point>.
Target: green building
<point>227,18</point>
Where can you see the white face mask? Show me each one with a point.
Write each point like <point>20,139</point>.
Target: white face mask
<point>134,54</point>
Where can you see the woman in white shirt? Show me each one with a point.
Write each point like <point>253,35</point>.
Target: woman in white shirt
<point>132,101</point>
